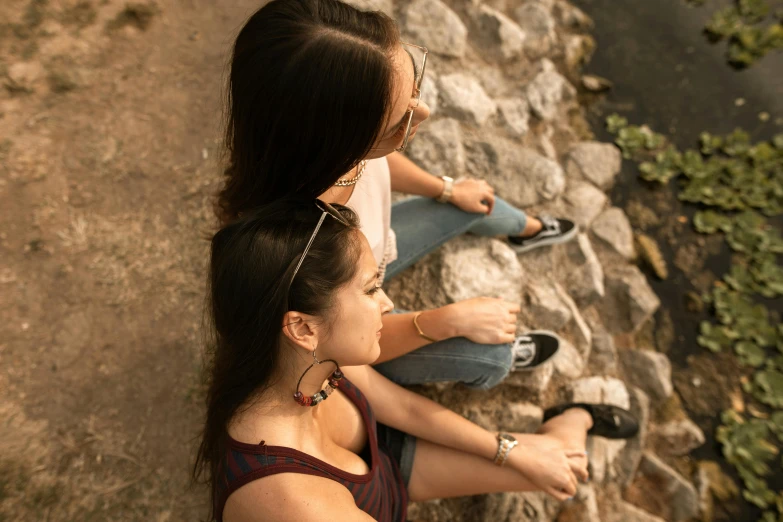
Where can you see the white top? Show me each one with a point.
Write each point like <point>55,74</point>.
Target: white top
<point>371,200</point>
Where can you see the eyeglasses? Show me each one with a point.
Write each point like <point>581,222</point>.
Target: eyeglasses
<point>418,55</point>
<point>326,208</point>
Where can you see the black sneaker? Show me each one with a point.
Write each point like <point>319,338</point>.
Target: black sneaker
<point>534,349</point>
<point>553,231</point>
<point>609,421</point>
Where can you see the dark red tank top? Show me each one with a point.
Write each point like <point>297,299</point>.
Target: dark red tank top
<point>380,493</point>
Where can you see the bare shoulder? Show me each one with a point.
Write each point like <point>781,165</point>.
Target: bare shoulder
<point>292,496</point>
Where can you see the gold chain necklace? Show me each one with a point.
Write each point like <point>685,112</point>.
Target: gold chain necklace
<point>352,181</point>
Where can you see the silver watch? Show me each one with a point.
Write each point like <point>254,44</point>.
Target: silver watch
<point>506,443</point>
<point>448,188</point>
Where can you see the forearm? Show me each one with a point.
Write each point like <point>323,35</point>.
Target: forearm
<point>409,178</point>
<point>400,335</point>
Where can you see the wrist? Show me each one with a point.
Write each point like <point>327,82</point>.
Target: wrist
<point>448,188</point>
<point>437,323</point>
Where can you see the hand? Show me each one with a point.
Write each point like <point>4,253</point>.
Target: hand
<point>473,195</point>
<point>549,467</point>
<point>484,320</point>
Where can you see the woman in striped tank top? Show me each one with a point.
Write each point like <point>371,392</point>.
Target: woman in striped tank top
<point>300,428</point>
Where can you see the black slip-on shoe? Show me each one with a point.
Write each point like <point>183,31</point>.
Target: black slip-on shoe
<point>534,349</point>
<point>609,421</point>
<point>553,231</point>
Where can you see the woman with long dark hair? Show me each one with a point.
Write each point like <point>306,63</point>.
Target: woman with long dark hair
<point>291,431</point>
<point>322,100</point>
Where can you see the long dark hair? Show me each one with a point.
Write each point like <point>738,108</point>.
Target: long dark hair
<point>310,91</point>
<point>251,289</point>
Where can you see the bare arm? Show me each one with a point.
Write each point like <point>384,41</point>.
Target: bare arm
<point>409,178</point>
<point>292,496</point>
<point>400,335</point>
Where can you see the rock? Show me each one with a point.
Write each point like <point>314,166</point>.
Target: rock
<point>613,227</point>
<point>600,390</point>
<point>596,162</point>
<point>583,507</point>
<point>662,491</point>
<point>387,6</point>
<point>567,361</point>
<point>432,24</point>
<point>515,113</point>
<point>595,83</point>
<point>629,301</point>
<point>22,76</point>
<point>521,417</point>
<point>462,97</point>
<point>584,203</point>
<point>650,371</point>
<point>438,148</point>
<point>603,455</point>
<point>677,437</point>
<point>474,267</point>
<point>603,356</point>
<point>585,283</point>
<point>578,49</point>
<point>536,380</point>
<point>576,329</point>
<point>539,28</point>
<point>572,17</point>
<point>429,90</point>
<point>712,485</point>
<point>543,307</point>
<point>626,512</point>
<point>628,461</point>
<point>524,177</point>
<point>499,33</point>
<point>547,91</point>
<point>519,507</point>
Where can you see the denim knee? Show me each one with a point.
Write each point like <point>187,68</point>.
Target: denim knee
<point>492,367</point>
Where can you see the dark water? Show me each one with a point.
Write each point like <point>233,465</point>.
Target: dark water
<point>667,75</point>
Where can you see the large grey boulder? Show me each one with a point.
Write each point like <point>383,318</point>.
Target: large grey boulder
<point>524,177</point>
<point>515,114</point>
<point>434,25</point>
<point>462,97</point>
<point>614,229</point>
<point>629,301</point>
<point>628,461</point>
<point>576,329</point>
<point>585,283</point>
<point>429,90</point>
<point>538,25</point>
<point>677,437</point>
<point>568,362</point>
<point>547,91</point>
<point>521,417</point>
<point>535,381</point>
<point>650,371</point>
<point>584,203</point>
<point>477,267</point>
<point>438,148</point>
<point>664,492</point>
<point>498,34</point>
<point>596,162</point>
<point>543,307</point>
<point>603,356</point>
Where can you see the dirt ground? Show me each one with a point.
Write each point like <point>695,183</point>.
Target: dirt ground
<point>110,117</point>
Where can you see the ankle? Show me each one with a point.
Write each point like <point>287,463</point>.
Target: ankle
<point>532,227</point>
<point>581,416</point>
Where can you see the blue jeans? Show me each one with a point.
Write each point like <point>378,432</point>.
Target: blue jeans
<point>422,225</point>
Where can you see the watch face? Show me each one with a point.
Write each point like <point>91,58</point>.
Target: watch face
<point>506,436</point>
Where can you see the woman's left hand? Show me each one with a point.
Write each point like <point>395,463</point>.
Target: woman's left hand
<point>473,195</point>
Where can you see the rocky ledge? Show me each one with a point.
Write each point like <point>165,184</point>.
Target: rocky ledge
<point>502,86</point>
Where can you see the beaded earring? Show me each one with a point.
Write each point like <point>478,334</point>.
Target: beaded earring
<point>331,385</point>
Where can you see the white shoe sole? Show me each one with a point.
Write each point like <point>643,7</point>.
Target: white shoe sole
<point>568,236</point>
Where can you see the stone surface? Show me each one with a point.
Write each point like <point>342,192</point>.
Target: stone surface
<point>576,329</point>
<point>499,34</point>
<point>650,371</point>
<point>629,301</point>
<point>596,162</point>
<point>536,381</point>
<point>628,461</point>
<point>522,417</point>
<point>22,76</point>
<point>432,24</point>
<point>462,97</point>
<point>603,356</point>
<point>677,437</point>
<point>477,267</point>
<point>539,28</point>
<point>429,90</point>
<point>625,512</point>
<point>583,507</point>
<point>662,491</point>
<point>547,91</point>
<point>572,17</point>
<point>524,177</point>
<point>387,6</point>
<point>585,283</point>
<point>438,148</point>
<point>568,361</point>
<point>584,203</point>
<point>614,229</point>
<point>515,114</point>
<point>578,49</point>
<point>602,390</point>
<point>543,307</point>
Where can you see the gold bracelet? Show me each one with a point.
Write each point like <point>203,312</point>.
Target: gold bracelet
<point>418,328</point>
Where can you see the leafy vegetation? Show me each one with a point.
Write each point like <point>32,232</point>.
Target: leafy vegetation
<point>739,187</point>
<point>750,28</point>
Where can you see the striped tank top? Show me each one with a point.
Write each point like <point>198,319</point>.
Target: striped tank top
<point>380,493</point>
